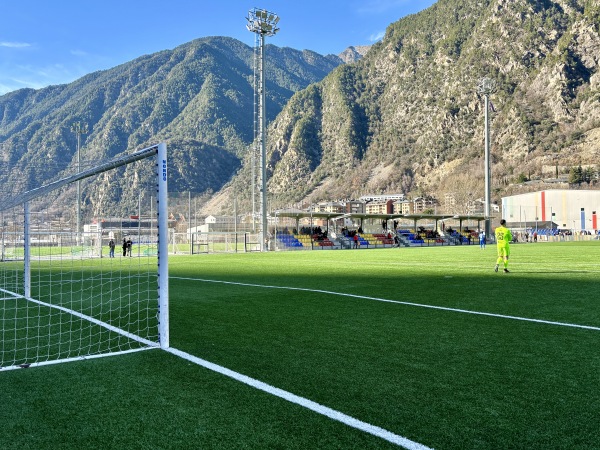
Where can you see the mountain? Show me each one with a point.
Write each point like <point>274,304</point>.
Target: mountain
<point>408,117</point>
<point>353,54</point>
<point>198,98</point>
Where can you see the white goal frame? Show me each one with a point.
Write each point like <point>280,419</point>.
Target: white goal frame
<point>24,291</point>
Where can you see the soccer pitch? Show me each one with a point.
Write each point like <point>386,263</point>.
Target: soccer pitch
<point>421,347</point>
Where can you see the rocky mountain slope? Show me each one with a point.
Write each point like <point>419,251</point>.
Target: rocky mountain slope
<point>353,54</point>
<point>408,116</point>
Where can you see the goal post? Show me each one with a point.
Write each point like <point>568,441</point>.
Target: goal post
<point>163,247</point>
<point>68,293</point>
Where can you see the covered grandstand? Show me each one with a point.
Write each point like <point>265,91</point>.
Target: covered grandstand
<point>296,229</point>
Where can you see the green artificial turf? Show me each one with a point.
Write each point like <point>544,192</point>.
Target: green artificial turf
<point>386,336</point>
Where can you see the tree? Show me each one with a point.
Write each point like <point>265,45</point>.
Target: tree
<point>463,189</point>
<point>576,175</point>
<point>522,178</point>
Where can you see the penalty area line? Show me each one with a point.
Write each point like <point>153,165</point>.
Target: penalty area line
<point>304,402</point>
<point>400,302</point>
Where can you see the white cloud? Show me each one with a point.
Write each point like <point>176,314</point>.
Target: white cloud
<point>10,85</point>
<point>18,76</point>
<point>14,44</point>
<point>4,89</point>
<point>377,36</point>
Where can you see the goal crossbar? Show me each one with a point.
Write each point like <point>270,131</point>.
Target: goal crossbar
<point>103,167</point>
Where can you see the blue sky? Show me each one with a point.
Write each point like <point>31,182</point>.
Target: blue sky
<point>45,42</point>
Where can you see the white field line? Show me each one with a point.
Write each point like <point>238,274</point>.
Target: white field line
<point>399,302</point>
<point>309,404</point>
<point>75,358</point>
<point>9,295</point>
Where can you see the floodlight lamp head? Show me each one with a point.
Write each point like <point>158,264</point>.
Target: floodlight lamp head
<point>486,86</point>
<point>79,128</point>
<point>262,22</point>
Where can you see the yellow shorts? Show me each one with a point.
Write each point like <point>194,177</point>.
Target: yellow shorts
<point>503,251</point>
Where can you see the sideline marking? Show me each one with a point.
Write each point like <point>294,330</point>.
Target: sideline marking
<point>399,302</point>
<point>304,402</point>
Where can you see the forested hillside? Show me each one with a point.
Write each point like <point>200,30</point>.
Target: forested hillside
<point>198,98</point>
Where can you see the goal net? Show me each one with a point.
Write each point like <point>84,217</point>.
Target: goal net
<point>81,274</point>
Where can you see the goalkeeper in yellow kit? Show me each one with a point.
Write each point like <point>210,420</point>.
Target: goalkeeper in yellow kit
<point>503,238</point>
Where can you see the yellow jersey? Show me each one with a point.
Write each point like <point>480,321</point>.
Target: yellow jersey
<point>503,236</point>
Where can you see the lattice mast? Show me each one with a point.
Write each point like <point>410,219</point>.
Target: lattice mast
<point>255,127</point>
<point>79,129</point>
<point>263,23</point>
<point>486,88</point>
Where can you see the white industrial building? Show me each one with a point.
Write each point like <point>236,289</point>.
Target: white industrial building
<point>563,209</point>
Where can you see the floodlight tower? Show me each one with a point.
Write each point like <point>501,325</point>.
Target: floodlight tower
<point>79,128</point>
<point>487,87</point>
<point>263,23</point>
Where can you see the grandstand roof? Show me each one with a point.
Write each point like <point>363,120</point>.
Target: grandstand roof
<point>299,214</point>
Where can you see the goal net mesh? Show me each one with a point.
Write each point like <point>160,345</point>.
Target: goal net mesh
<point>70,294</point>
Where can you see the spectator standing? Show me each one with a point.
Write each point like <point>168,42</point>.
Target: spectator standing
<point>111,248</point>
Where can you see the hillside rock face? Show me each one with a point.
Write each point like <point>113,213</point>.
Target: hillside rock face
<point>408,116</point>
<point>353,54</point>
<point>198,98</point>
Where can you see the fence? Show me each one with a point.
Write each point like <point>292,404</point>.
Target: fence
<point>213,242</point>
